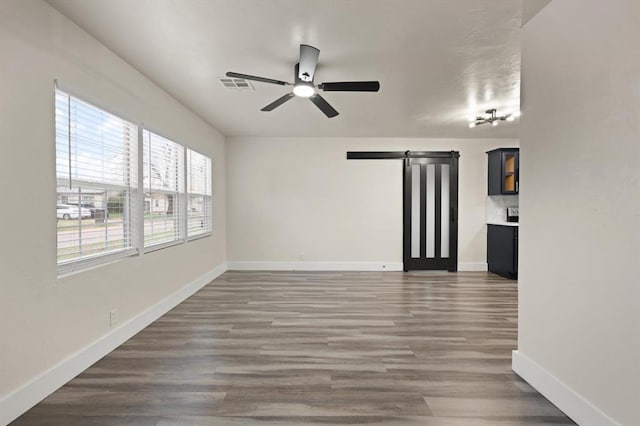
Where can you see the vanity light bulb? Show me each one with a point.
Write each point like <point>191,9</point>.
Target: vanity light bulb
<point>472,124</point>
<point>494,123</point>
<point>511,118</point>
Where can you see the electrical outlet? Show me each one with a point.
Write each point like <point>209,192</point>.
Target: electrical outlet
<point>114,317</point>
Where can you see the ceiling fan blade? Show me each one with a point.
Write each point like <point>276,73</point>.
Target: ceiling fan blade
<point>308,61</point>
<point>324,106</point>
<point>351,86</point>
<point>255,78</point>
<point>275,104</point>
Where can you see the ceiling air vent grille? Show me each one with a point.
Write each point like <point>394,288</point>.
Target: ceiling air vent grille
<point>236,83</point>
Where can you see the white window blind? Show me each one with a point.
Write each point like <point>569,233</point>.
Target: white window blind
<point>163,177</point>
<point>96,171</point>
<point>199,199</point>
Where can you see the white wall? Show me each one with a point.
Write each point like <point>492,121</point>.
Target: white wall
<point>300,200</point>
<point>579,310</point>
<point>43,319</point>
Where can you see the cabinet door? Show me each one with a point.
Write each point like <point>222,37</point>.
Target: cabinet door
<point>517,172</point>
<point>494,163</point>
<point>516,230</point>
<point>510,166</point>
<point>503,171</point>
<point>502,250</point>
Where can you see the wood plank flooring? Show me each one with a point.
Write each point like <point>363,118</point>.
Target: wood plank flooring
<point>291,348</point>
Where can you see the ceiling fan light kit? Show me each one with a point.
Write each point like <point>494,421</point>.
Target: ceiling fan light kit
<point>303,83</point>
<point>304,90</point>
<point>493,118</point>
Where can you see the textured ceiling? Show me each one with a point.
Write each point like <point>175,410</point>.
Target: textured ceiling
<point>438,61</point>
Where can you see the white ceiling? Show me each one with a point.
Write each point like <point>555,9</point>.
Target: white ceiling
<point>438,61</point>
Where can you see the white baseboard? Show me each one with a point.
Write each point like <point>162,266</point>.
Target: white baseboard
<point>337,266</point>
<point>314,266</point>
<point>562,396</point>
<point>472,266</point>
<point>26,396</point>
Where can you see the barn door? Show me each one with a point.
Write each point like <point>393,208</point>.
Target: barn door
<point>430,213</point>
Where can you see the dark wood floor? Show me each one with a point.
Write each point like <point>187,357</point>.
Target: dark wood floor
<point>428,348</point>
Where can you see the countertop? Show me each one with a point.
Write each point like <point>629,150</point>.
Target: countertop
<point>503,223</point>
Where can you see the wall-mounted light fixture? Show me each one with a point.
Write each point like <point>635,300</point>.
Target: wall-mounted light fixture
<point>492,118</point>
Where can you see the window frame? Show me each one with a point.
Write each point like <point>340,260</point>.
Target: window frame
<point>71,266</point>
<point>209,181</point>
<point>136,190</point>
<point>182,204</point>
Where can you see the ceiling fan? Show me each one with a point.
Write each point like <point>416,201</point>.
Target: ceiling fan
<point>303,83</point>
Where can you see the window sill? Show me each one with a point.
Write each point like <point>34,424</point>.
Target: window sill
<point>161,246</point>
<point>199,236</point>
<point>73,267</point>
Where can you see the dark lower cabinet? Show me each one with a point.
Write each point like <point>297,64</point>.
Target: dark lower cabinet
<point>502,250</point>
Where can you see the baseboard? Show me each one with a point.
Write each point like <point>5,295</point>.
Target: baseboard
<point>562,396</point>
<point>337,266</point>
<point>26,396</point>
<point>314,266</point>
<point>472,266</point>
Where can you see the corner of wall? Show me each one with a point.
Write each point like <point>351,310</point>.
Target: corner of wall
<point>565,398</point>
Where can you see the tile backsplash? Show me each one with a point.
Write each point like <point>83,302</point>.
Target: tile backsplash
<point>497,207</point>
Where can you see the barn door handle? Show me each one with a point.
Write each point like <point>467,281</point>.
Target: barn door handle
<point>453,214</point>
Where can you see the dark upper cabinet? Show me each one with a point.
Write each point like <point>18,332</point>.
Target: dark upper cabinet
<point>504,171</point>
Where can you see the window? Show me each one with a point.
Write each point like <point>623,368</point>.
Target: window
<point>199,200</point>
<point>163,177</point>
<point>96,171</point>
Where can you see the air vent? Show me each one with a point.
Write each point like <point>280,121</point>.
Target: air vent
<point>236,83</point>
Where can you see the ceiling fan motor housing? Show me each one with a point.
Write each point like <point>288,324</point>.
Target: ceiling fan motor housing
<point>301,87</point>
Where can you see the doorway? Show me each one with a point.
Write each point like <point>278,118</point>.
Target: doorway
<point>430,207</point>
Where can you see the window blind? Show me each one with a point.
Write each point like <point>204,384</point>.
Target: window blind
<point>199,194</point>
<point>163,182</point>
<point>96,171</point>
